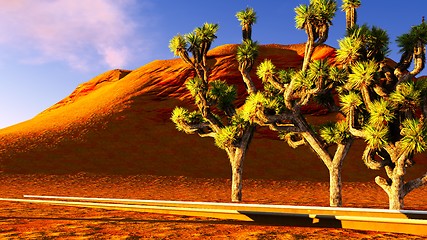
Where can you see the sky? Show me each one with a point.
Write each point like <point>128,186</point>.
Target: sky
<point>49,47</point>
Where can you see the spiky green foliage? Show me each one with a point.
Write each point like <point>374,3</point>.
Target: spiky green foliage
<point>407,95</point>
<point>363,74</point>
<point>376,137</point>
<point>239,121</point>
<point>338,75</point>
<point>207,32</point>
<point>285,76</point>
<point>303,81</point>
<point>222,94</point>
<point>319,69</point>
<point>226,137</point>
<point>266,70</point>
<point>182,117</point>
<point>414,134</point>
<point>195,85</point>
<point>381,113</point>
<point>371,43</point>
<point>349,50</point>
<point>303,14</point>
<point>408,41</point>
<point>247,52</point>
<point>178,44</point>
<point>349,101</point>
<point>347,4</point>
<point>317,12</point>
<point>246,17</point>
<point>377,44</point>
<point>325,10</point>
<point>253,104</point>
<point>335,133</point>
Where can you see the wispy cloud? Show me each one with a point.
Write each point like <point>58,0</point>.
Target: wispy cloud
<point>81,34</point>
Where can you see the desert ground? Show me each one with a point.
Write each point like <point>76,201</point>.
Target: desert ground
<point>39,221</point>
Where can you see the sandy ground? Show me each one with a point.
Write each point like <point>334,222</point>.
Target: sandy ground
<point>35,221</point>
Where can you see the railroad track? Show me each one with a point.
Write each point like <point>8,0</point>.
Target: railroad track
<point>404,221</point>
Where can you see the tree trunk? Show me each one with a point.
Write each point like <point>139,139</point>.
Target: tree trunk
<point>396,193</point>
<point>335,186</point>
<point>309,49</point>
<point>237,175</point>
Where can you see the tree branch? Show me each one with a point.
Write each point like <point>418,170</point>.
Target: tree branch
<point>370,161</point>
<point>294,143</point>
<point>415,183</point>
<point>351,122</point>
<point>382,182</point>
<point>342,151</point>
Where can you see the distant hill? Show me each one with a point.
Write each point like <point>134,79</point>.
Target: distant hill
<point>119,123</point>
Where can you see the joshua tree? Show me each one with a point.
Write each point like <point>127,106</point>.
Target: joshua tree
<point>230,131</point>
<point>349,7</point>
<point>281,113</point>
<point>247,18</point>
<point>286,91</point>
<point>386,105</point>
<point>315,19</point>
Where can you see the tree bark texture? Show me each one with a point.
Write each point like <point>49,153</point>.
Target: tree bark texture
<point>335,186</point>
<point>237,175</point>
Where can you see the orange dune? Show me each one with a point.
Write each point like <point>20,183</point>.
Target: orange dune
<point>119,123</point>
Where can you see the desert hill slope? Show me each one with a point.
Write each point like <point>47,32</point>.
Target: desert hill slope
<point>118,123</point>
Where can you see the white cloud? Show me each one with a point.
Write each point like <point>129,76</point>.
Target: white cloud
<point>81,33</point>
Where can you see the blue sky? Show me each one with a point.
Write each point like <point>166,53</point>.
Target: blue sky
<point>49,47</point>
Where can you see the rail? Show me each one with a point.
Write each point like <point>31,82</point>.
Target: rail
<point>404,221</point>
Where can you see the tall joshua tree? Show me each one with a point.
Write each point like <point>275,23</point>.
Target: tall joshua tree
<point>247,18</point>
<point>349,7</point>
<point>280,113</point>
<point>386,106</point>
<point>229,130</point>
<point>315,19</point>
<point>286,91</point>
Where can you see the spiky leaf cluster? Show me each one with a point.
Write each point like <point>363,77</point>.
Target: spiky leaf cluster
<point>230,135</point>
<point>363,43</point>
<point>254,103</point>
<point>376,137</point>
<point>226,137</point>
<point>349,50</point>
<point>335,133</point>
<point>406,95</point>
<point>381,113</point>
<point>363,74</point>
<point>195,86</point>
<point>222,94</point>
<point>182,118</point>
<point>414,134</point>
<point>178,44</point>
<point>347,4</point>
<point>349,101</point>
<point>266,70</point>
<point>247,52</point>
<point>316,13</point>
<point>338,75</point>
<point>247,16</point>
<point>408,41</point>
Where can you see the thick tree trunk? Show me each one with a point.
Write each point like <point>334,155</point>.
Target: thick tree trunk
<point>335,186</point>
<point>396,193</point>
<point>237,175</point>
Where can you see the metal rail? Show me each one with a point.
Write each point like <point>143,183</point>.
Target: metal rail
<point>405,221</point>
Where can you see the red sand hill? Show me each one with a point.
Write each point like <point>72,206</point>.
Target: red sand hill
<point>119,123</point>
